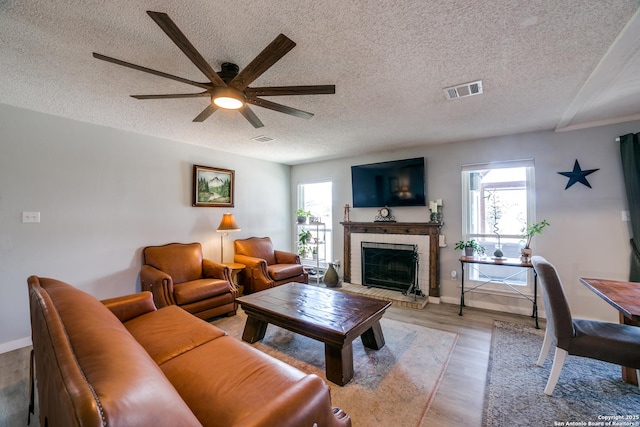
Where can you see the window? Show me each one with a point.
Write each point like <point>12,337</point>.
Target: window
<point>498,203</point>
<point>316,198</point>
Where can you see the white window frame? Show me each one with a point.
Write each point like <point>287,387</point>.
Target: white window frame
<point>524,281</point>
<point>328,222</point>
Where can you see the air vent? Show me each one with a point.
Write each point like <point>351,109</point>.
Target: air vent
<point>262,139</point>
<point>464,90</point>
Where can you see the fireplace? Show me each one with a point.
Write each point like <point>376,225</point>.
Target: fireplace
<point>423,234</point>
<point>390,266</point>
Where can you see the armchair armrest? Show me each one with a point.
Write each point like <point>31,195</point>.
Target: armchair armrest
<point>159,284</point>
<point>256,274</point>
<point>127,307</point>
<point>251,262</point>
<point>283,257</point>
<point>215,270</point>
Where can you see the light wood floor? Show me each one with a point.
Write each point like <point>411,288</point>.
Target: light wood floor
<point>460,397</point>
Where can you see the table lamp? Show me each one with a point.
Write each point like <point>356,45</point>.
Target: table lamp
<point>227,224</point>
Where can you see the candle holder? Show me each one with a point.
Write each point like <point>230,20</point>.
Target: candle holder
<point>435,206</point>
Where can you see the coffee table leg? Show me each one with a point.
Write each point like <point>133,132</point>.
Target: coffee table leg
<point>339,363</point>
<point>254,330</point>
<point>373,337</point>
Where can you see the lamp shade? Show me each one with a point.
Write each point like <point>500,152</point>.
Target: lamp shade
<point>228,223</point>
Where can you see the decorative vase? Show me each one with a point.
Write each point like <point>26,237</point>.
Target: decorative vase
<point>331,278</point>
<point>525,254</point>
<point>498,252</point>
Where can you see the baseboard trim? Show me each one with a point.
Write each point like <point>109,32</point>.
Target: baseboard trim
<point>14,345</point>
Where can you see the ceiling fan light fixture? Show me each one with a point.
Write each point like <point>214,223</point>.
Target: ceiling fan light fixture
<point>228,88</point>
<point>228,98</point>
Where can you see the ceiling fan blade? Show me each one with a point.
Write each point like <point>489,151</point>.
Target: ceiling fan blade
<point>251,116</point>
<point>150,71</point>
<point>174,95</point>
<point>261,63</point>
<point>279,107</point>
<point>206,113</point>
<point>290,90</point>
<point>174,33</point>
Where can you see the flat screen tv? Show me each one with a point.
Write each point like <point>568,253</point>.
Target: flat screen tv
<point>395,183</point>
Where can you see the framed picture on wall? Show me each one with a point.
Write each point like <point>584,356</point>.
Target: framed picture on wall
<point>212,187</point>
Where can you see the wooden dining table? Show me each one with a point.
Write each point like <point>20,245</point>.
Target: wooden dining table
<point>624,297</point>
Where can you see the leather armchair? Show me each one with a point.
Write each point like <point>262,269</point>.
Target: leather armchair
<point>177,274</point>
<point>267,267</point>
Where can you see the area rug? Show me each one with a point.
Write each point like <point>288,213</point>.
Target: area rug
<point>393,386</point>
<point>587,392</point>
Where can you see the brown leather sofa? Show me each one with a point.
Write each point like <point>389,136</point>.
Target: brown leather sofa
<point>122,362</point>
<point>266,266</point>
<point>177,274</point>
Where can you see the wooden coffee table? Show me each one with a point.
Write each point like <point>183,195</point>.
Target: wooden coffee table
<point>332,317</point>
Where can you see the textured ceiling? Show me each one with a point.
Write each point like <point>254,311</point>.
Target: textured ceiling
<point>545,64</point>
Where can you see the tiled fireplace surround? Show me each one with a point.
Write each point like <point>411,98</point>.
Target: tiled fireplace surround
<point>425,235</point>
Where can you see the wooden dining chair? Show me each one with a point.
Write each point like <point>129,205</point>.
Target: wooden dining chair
<point>606,341</point>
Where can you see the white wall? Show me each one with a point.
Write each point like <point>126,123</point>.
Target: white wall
<point>587,237</point>
<point>104,194</point>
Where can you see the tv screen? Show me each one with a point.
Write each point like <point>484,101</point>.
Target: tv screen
<point>395,183</point>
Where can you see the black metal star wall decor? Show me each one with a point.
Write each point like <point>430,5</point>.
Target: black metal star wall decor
<point>578,175</point>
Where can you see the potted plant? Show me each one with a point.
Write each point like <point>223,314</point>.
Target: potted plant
<point>529,232</point>
<point>303,242</point>
<point>302,215</point>
<point>469,247</point>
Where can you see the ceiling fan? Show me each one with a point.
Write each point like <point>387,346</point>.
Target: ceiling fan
<point>229,87</point>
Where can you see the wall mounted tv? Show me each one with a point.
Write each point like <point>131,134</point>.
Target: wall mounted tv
<point>395,183</point>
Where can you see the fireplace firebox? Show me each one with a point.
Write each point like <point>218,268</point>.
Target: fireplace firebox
<point>390,266</point>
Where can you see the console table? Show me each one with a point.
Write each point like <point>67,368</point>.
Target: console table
<point>507,262</point>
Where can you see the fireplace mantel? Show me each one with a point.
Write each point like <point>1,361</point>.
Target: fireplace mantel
<point>431,229</point>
